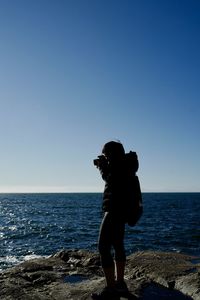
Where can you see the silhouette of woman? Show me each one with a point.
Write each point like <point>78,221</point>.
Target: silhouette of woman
<point>117,172</point>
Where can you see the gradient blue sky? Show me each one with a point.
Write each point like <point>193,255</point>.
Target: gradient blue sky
<point>75,74</point>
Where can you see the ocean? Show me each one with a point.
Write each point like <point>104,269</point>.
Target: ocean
<point>34,225</point>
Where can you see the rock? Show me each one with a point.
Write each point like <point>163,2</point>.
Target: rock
<point>172,270</point>
<point>75,274</point>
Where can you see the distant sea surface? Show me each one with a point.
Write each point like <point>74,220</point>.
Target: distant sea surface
<point>33,225</point>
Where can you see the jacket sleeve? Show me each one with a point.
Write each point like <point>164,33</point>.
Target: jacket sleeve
<point>105,173</point>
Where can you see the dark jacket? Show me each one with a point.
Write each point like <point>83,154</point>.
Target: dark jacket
<point>119,178</point>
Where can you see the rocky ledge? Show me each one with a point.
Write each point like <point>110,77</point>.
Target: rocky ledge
<point>75,274</point>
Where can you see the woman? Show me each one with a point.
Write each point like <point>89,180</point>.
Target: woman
<point>117,170</point>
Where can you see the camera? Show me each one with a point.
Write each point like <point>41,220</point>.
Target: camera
<point>100,161</point>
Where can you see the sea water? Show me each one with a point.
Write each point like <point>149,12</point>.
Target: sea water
<point>33,225</point>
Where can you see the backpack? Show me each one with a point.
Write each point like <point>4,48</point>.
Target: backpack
<point>134,205</point>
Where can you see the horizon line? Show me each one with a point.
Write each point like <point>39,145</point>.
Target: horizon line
<point>90,192</point>
<point>78,189</point>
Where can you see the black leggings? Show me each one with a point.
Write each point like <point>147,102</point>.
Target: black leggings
<point>111,235</point>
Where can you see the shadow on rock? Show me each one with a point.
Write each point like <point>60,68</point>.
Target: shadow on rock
<point>157,292</point>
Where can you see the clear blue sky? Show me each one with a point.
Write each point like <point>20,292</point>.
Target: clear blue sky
<point>75,74</point>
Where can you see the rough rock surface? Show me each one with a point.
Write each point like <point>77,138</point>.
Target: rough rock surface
<point>75,274</point>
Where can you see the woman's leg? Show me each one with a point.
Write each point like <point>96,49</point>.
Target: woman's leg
<point>120,268</point>
<point>105,244</point>
<point>112,234</point>
<point>118,244</point>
